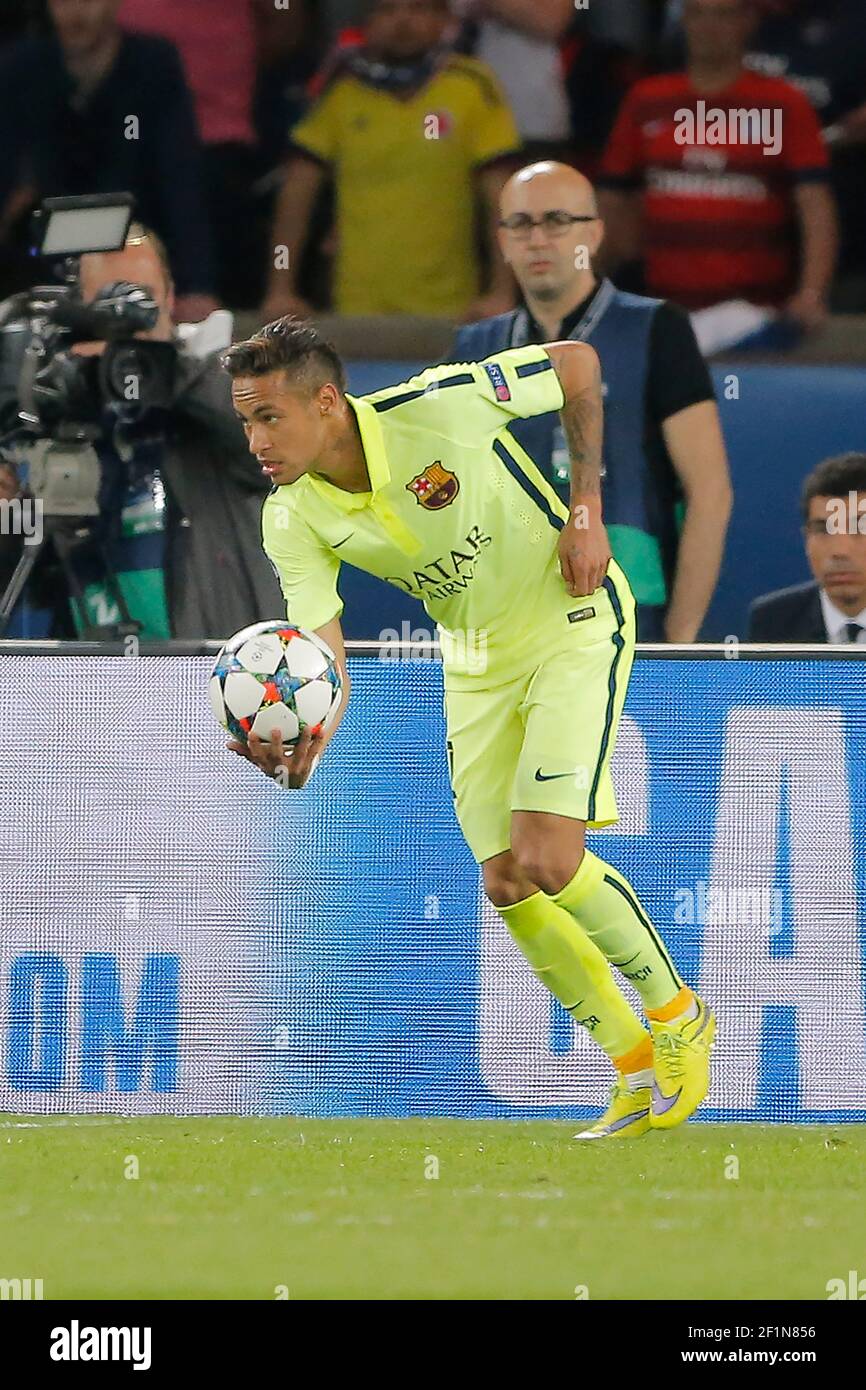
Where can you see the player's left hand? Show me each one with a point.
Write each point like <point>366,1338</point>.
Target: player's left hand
<point>584,554</point>
<point>291,767</point>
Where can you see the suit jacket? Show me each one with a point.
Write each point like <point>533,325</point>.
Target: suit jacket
<point>788,615</point>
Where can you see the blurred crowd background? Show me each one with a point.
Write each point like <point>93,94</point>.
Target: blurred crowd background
<point>355,161</point>
<point>221,88</point>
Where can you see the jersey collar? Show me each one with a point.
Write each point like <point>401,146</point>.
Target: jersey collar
<point>374,453</point>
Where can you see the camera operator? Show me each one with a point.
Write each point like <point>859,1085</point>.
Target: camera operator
<point>180,502</point>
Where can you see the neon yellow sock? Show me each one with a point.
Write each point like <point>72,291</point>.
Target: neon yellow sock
<point>606,906</point>
<point>575,971</point>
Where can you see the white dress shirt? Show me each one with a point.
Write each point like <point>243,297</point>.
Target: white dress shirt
<point>835,621</point>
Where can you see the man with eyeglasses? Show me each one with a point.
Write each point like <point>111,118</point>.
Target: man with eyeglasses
<point>831,607</point>
<point>667,494</point>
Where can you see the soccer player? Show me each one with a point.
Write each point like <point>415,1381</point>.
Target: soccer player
<point>423,485</point>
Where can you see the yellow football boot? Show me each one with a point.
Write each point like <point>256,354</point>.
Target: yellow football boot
<point>627,1116</point>
<point>681,1062</point>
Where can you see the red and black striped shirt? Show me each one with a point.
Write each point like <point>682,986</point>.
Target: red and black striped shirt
<point>718,217</point>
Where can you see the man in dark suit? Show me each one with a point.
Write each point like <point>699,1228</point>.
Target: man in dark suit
<point>831,607</point>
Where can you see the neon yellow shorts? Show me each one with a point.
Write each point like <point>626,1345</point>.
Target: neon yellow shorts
<point>544,741</point>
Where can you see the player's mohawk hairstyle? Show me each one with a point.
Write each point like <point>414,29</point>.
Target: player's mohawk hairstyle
<point>288,344</point>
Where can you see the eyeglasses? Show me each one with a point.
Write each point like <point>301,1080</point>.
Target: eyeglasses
<point>554,223</point>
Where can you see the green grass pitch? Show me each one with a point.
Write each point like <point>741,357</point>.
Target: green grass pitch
<point>228,1208</point>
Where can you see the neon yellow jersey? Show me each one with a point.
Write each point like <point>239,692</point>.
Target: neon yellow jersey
<point>404,177</point>
<point>458,516</point>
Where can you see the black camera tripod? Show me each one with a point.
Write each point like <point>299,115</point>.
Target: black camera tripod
<point>66,535</point>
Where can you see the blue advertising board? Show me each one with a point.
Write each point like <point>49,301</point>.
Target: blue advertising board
<point>180,935</point>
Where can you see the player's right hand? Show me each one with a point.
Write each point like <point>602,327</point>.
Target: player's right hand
<point>291,767</point>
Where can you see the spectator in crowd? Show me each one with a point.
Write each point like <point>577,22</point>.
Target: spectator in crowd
<point>291,46</point>
<point>831,607</point>
<point>91,109</point>
<point>819,46</point>
<point>193,567</point>
<point>662,436</point>
<point>519,40</point>
<point>715,174</point>
<point>597,75</point>
<point>415,137</point>
<point>220,60</point>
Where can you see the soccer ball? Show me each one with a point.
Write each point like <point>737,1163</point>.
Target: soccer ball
<point>275,676</point>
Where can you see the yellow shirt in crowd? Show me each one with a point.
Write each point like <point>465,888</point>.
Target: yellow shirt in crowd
<point>403,170</point>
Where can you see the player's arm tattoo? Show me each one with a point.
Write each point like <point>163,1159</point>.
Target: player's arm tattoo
<point>582,422</point>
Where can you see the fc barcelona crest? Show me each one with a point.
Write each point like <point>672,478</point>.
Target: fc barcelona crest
<point>435,487</point>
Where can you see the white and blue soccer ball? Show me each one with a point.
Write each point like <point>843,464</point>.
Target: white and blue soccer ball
<point>274,675</point>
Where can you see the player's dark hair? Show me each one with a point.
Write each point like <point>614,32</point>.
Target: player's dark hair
<point>289,345</point>
<point>834,477</point>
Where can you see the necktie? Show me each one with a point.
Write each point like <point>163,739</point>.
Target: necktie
<point>852,631</point>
